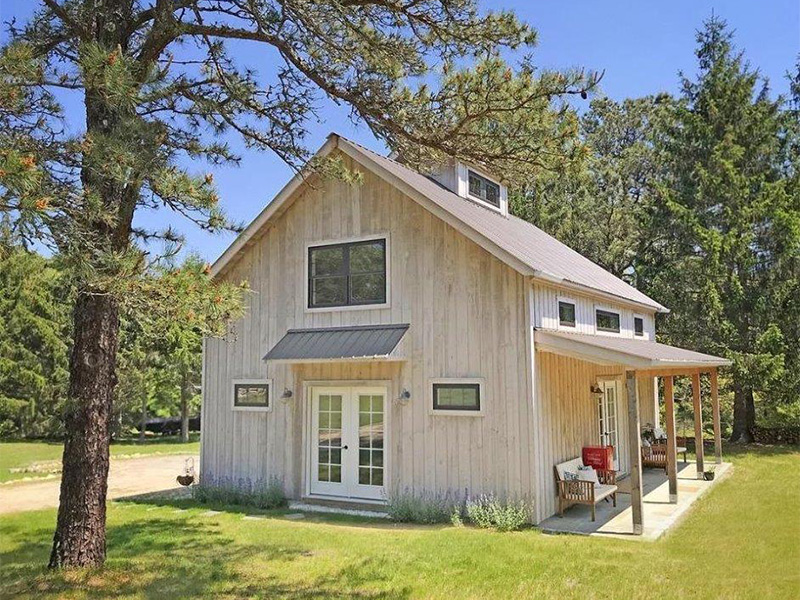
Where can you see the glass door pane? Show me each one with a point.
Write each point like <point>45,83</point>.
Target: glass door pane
<point>329,438</point>
<point>370,439</point>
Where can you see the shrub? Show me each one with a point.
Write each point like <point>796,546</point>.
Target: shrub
<point>243,492</point>
<point>421,508</point>
<point>490,512</point>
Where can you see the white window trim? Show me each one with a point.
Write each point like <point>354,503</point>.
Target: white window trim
<point>644,335</point>
<point>569,300</point>
<point>462,173</point>
<point>349,240</point>
<point>607,308</point>
<point>262,381</point>
<point>457,413</point>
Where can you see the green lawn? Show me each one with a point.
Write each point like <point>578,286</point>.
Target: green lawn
<point>22,454</point>
<point>742,540</point>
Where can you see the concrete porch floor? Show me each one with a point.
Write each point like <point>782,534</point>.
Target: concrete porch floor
<point>658,516</point>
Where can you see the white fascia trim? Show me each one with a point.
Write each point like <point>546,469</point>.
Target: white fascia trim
<point>268,212</point>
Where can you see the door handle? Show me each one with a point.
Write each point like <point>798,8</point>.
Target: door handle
<point>344,447</point>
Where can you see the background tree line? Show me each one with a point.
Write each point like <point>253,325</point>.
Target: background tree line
<point>159,361</point>
<point>695,200</point>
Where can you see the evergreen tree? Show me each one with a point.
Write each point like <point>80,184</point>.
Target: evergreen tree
<point>604,207</point>
<point>160,83</point>
<point>733,217</point>
<point>34,328</point>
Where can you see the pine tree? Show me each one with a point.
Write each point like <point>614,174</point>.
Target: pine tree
<point>160,84</point>
<point>733,217</point>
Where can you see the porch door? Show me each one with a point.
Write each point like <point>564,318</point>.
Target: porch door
<point>347,438</point>
<point>607,414</point>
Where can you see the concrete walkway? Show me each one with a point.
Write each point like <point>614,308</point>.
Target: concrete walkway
<point>658,513</point>
<point>128,476</point>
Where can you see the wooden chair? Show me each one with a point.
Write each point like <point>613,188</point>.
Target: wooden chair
<point>655,455</point>
<point>572,492</point>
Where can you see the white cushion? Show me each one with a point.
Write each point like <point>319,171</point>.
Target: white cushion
<point>659,433</point>
<point>588,474</point>
<point>646,443</point>
<point>570,465</point>
<point>602,490</point>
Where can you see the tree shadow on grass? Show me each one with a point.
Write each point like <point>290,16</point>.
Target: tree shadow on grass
<point>178,558</point>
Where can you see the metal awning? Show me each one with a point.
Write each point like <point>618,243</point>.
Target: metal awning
<point>634,353</point>
<point>362,342</point>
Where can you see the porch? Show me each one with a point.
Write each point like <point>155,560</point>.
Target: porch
<point>654,499</point>
<point>659,514</point>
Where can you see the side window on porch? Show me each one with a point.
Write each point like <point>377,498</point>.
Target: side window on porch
<point>607,320</point>
<point>638,326</point>
<point>566,313</point>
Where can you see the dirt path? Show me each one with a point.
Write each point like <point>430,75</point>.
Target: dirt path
<point>128,476</point>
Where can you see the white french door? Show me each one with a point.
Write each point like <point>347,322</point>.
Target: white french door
<point>347,441</point>
<point>607,410</point>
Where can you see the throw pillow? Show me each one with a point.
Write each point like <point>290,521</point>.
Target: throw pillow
<point>588,474</point>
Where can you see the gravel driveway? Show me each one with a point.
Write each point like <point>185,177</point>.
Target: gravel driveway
<point>128,476</point>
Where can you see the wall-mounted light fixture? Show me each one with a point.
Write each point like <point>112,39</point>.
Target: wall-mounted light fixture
<point>404,397</point>
<point>287,394</point>
<point>596,391</point>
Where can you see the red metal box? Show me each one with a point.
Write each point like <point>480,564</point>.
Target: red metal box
<point>599,457</point>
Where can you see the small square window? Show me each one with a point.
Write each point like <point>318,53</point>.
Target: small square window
<point>457,396</point>
<point>566,313</point>
<point>251,395</point>
<point>606,320</point>
<point>638,326</point>
<point>483,189</point>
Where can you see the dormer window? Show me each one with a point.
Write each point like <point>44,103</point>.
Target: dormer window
<point>484,189</point>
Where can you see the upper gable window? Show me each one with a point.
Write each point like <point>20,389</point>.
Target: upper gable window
<point>606,320</point>
<point>566,313</point>
<point>348,274</point>
<point>484,189</point>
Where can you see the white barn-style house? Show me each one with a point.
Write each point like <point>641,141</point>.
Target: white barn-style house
<point>408,335</point>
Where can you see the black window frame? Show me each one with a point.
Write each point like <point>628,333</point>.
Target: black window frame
<point>638,331</point>
<point>574,322</point>
<point>484,181</point>
<point>456,385</point>
<point>597,312</point>
<point>346,246</point>
<point>260,385</point>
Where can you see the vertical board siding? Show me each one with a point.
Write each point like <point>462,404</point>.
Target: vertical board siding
<point>546,312</point>
<point>467,316</point>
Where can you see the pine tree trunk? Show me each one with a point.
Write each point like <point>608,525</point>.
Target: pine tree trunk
<point>184,407</point>
<point>744,415</point>
<point>80,537</point>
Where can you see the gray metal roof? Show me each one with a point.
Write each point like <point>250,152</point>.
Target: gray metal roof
<point>529,244</point>
<point>338,343</point>
<point>627,351</point>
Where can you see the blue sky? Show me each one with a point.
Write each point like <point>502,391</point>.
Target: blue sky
<point>641,45</point>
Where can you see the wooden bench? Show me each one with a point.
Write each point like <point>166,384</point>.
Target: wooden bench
<point>572,491</point>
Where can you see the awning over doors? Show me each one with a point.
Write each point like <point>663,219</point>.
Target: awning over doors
<point>634,353</point>
<point>363,342</point>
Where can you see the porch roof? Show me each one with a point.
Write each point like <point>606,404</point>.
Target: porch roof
<point>369,342</point>
<point>637,354</point>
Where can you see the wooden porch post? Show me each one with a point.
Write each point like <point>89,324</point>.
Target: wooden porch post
<point>698,424</point>
<point>717,424</point>
<point>634,437</point>
<point>672,450</point>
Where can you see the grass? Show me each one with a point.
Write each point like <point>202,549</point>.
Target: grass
<point>741,540</point>
<point>19,454</point>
